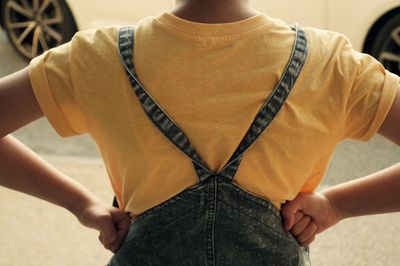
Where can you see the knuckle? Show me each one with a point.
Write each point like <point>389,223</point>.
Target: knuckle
<point>307,219</point>
<point>295,232</point>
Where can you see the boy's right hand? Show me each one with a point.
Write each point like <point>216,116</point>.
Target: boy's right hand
<point>308,215</point>
<point>112,223</point>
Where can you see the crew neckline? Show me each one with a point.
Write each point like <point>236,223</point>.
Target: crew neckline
<point>214,29</point>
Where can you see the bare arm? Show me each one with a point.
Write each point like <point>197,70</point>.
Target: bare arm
<point>378,192</point>
<point>20,168</point>
<point>309,214</point>
<point>24,171</point>
<point>18,105</point>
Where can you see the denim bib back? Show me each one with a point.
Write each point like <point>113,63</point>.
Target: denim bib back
<point>215,222</point>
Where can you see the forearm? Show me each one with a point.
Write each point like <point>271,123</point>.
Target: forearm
<point>373,194</point>
<point>24,171</point>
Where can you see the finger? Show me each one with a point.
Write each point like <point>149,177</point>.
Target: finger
<point>113,249</point>
<point>123,227</point>
<point>307,233</point>
<point>299,226</point>
<point>288,218</point>
<point>122,222</point>
<point>289,210</point>
<point>122,233</point>
<point>102,242</point>
<point>308,241</point>
<point>294,219</point>
<point>298,216</point>
<point>108,231</point>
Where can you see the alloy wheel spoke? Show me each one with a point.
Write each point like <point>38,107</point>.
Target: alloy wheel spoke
<point>26,5</point>
<point>25,33</point>
<point>22,10</point>
<point>18,25</point>
<point>56,20</point>
<point>35,5</point>
<point>396,35</point>
<point>43,7</point>
<point>53,34</point>
<point>35,41</point>
<point>389,57</point>
<point>42,41</point>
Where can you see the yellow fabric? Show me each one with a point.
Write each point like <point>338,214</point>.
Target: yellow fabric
<point>212,79</point>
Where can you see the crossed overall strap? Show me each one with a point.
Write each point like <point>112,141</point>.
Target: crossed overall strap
<point>176,135</point>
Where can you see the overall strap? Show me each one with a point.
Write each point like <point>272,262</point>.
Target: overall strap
<point>175,134</point>
<point>153,110</point>
<point>273,104</point>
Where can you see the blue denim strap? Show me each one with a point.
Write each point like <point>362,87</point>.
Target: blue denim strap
<point>153,110</point>
<point>175,134</point>
<point>273,104</point>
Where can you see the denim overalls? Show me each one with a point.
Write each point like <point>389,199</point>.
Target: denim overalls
<point>214,222</point>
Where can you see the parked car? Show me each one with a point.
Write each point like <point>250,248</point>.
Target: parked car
<point>373,26</point>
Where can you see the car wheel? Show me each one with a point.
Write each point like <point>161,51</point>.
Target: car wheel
<point>386,47</point>
<point>36,26</point>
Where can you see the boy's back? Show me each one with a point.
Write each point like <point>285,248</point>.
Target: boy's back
<point>213,87</point>
<point>212,79</point>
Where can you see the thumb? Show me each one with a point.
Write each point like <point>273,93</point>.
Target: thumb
<point>289,211</point>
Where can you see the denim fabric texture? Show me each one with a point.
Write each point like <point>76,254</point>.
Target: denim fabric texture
<point>215,222</point>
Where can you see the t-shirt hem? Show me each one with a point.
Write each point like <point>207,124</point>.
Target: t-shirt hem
<point>389,91</point>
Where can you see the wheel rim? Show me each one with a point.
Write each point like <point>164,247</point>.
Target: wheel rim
<point>34,26</point>
<point>390,55</point>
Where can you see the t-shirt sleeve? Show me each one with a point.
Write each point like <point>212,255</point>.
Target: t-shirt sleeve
<point>50,76</point>
<point>370,94</point>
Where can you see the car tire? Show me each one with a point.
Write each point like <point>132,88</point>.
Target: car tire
<point>386,46</point>
<point>36,26</point>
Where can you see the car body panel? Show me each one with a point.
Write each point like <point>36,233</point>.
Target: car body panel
<point>355,18</point>
<point>313,12</point>
<point>95,13</point>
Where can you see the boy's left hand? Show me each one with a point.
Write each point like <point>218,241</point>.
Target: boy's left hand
<point>307,215</point>
<point>112,223</point>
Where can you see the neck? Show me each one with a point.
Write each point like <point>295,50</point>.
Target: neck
<point>214,11</point>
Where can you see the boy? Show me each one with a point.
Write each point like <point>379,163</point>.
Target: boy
<point>212,66</point>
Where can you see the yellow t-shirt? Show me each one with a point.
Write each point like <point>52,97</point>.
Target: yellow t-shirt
<point>212,79</point>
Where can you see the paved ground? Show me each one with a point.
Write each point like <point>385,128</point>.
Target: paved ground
<point>33,232</point>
